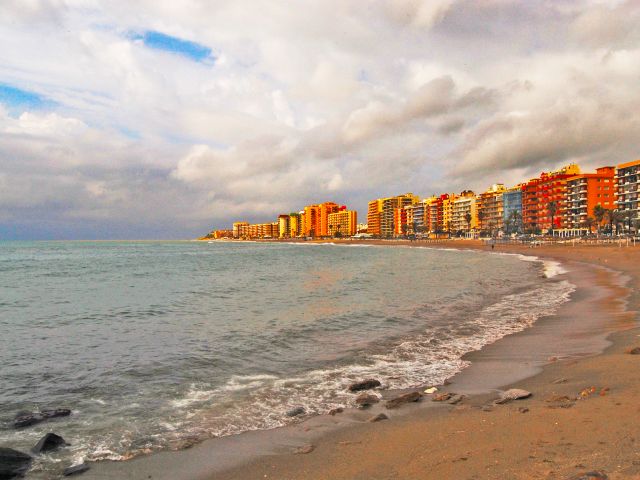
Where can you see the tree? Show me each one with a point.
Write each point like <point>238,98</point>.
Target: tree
<point>468,218</point>
<point>553,209</point>
<point>589,223</point>
<point>516,219</point>
<point>599,213</point>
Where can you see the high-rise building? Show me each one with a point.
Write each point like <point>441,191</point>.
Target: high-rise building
<point>465,214</point>
<point>374,213</point>
<point>544,196</point>
<point>381,213</point>
<point>512,209</point>
<point>400,225</point>
<point>295,225</point>
<point>587,190</point>
<point>239,229</point>
<point>490,208</point>
<point>343,222</point>
<point>316,219</point>
<point>284,228</point>
<point>628,192</point>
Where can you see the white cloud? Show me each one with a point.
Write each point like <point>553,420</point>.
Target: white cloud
<point>308,101</point>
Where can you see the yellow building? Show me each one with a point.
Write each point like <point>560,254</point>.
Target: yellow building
<point>343,223</point>
<point>240,229</point>
<point>295,224</point>
<point>447,212</point>
<point>283,226</point>
<point>381,214</point>
<point>465,213</point>
<point>373,217</point>
<point>490,208</point>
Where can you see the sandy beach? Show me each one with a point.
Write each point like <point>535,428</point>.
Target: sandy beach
<point>580,417</point>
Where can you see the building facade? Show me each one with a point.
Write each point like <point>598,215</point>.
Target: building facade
<point>512,210</point>
<point>540,195</point>
<point>465,214</point>
<point>584,192</point>
<point>628,193</point>
<point>343,223</point>
<point>490,208</point>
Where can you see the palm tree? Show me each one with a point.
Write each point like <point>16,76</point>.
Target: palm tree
<point>516,218</point>
<point>553,209</point>
<point>599,213</point>
<point>589,223</point>
<point>468,218</point>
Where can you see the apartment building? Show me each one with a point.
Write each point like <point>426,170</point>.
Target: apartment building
<point>343,222</point>
<point>585,191</point>
<point>628,192</point>
<point>490,208</point>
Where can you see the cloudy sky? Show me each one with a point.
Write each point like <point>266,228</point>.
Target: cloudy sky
<point>164,118</point>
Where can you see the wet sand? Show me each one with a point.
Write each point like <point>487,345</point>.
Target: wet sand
<point>473,439</point>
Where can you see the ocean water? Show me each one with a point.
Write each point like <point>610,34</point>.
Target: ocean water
<point>154,345</point>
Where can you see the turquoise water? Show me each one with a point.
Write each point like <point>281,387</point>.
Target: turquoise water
<point>156,344</point>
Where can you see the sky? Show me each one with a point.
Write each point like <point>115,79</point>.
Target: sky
<point>165,119</point>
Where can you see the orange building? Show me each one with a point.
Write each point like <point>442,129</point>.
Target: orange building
<point>374,214</point>
<point>400,223</point>
<point>539,193</point>
<point>587,190</point>
<point>316,219</point>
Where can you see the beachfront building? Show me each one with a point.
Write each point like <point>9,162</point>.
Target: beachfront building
<point>512,209</point>
<point>374,212</point>
<point>400,222</point>
<point>628,193</point>
<point>295,224</point>
<point>584,192</point>
<point>284,228</point>
<point>540,194</point>
<point>316,219</point>
<point>239,228</point>
<point>465,214</point>
<point>447,212</point>
<point>343,222</point>
<point>490,209</point>
<point>381,213</point>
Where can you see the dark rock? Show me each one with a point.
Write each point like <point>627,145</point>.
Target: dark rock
<point>364,385</point>
<point>26,419</point>
<point>406,398</point>
<point>13,464</point>
<point>49,442</point>
<point>378,418</point>
<point>305,449</point>
<point>455,399</point>
<point>365,400</point>
<point>512,394</point>
<point>633,351</point>
<point>335,411</point>
<point>441,397</point>
<point>76,470</point>
<point>294,412</point>
<point>594,475</point>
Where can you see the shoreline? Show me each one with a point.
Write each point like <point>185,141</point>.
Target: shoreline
<point>249,454</point>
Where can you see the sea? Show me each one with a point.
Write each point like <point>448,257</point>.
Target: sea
<point>157,345</point>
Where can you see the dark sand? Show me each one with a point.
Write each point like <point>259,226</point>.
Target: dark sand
<point>473,440</point>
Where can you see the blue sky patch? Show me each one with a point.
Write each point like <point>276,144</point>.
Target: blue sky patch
<point>17,99</point>
<point>160,41</point>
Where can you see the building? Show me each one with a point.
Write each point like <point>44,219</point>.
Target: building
<point>284,228</point>
<point>374,213</point>
<point>628,193</point>
<point>542,195</point>
<point>465,214</point>
<point>381,213</point>
<point>316,219</point>
<point>343,223</point>
<point>295,224</point>
<point>240,229</point>
<point>587,190</point>
<point>490,208</point>
<point>400,226</point>
<point>447,212</point>
<point>512,209</point>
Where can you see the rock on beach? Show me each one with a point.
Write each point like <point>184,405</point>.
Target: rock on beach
<point>294,412</point>
<point>75,470</point>
<point>513,394</point>
<point>364,385</point>
<point>365,400</point>
<point>26,419</point>
<point>402,399</point>
<point>49,442</point>
<point>13,464</point>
